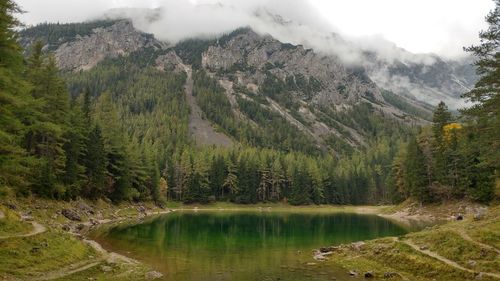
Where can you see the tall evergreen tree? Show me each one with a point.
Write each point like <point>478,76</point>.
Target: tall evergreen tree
<point>95,164</point>
<point>45,139</point>
<point>485,112</point>
<point>15,103</point>
<point>416,172</point>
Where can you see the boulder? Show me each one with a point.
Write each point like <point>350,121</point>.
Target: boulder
<point>369,274</point>
<point>388,275</point>
<point>141,209</point>
<point>35,250</point>
<point>479,214</point>
<point>84,207</point>
<point>353,273</point>
<point>27,218</point>
<point>11,206</point>
<point>152,275</point>
<point>71,215</point>
<point>472,263</point>
<point>358,246</point>
<point>329,249</point>
<point>106,268</point>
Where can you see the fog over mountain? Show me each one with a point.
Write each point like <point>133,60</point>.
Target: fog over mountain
<point>299,22</point>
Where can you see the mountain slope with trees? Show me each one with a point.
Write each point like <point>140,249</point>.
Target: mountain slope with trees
<point>119,129</point>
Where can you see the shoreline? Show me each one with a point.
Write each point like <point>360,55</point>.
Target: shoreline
<point>86,236</point>
<point>97,215</point>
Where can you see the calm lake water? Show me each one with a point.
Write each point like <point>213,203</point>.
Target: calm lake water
<point>222,245</point>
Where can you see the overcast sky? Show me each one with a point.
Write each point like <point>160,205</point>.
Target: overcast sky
<point>420,26</point>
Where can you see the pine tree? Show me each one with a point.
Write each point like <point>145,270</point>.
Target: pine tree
<point>95,164</point>
<point>441,118</point>
<point>231,180</point>
<point>75,151</point>
<point>485,113</point>
<point>45,139</point>
<point>15,104</point>
<point>416,172</point>
<point>277,180</point>
<point>116,146</point>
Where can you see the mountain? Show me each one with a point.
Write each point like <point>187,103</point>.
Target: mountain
<point>425,78</point>
<point>246,116</point>
<point>264,82</point>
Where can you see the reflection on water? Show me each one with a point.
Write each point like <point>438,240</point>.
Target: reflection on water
<point>243,245</point>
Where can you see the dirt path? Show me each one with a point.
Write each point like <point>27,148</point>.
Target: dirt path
<point>201,129</point>
<point>68,270</point>
<point>443,259</point>
<point>108,257</point>
<point>37,229</point>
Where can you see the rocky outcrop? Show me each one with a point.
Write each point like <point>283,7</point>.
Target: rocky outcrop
<point>71,215</point>
<point>170,62</point>
<point>251,55</point>
<point>109,42</point>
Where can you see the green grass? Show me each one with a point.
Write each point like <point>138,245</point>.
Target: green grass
<point>11,224</point>
<point>49,251</point>
<point>387,255</point>
<point>383,255</point>
<point>487,230</point>
<point>452,246</point>
<point>119,272</point>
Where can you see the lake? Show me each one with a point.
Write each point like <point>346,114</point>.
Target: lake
<point>242,245</point>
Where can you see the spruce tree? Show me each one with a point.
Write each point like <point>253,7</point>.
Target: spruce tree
<point>95,164</point>
<point>45,137</point>
<point>484,114</point>
<point>15,104</point>
<point>416,172</point>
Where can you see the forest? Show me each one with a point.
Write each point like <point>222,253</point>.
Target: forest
<point>120,131</point>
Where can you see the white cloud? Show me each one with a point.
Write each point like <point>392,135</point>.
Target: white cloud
<point>442,26</point>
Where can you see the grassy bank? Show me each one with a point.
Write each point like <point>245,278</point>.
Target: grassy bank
<point>458,250</point>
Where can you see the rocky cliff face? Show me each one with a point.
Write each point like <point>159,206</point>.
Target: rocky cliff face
<point>116,40</point>
<point>251,56</point>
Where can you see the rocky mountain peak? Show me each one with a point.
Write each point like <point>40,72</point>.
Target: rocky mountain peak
<point>255,57</point>
<point>116,40</point>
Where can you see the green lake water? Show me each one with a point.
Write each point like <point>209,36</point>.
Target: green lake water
<point>222,245</point>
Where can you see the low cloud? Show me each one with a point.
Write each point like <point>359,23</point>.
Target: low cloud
<point>298,23</point>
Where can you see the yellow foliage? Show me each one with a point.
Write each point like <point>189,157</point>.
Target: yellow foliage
<point>450,129</point>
